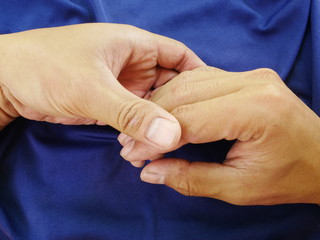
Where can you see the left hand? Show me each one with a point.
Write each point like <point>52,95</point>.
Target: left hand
<point>275,158</point>
<point>92,73</point>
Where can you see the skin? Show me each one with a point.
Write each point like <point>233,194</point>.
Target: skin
<point>99,73</point>
<point>275,158</point>
<point>92,74</point>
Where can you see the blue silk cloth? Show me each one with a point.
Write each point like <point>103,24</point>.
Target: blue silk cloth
<point>69,182</point>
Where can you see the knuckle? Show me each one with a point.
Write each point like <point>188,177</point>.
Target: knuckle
<point>189,122</point>
<point>187,187</point>
<point>268,74</point>
<point>182,185</point>
<point>184,88</point>
<point>182,112</point>
<point>182,92</point>
<point>271,91</point>
<point>131,117</point>
<point>182,45</point>
<point>186,182</point>
<point>274,97</point>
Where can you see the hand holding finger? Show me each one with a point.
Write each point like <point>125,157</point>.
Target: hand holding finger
<point>274,158</point>
<point>93,74</point>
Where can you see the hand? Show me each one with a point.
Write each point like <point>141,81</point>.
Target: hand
<point>92,74</point>
<point>275,158</point>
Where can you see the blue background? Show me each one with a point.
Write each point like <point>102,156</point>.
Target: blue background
<point>69,182</point>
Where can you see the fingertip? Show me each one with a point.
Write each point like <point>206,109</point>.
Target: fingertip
<point>121,137</point>
<point>127,149</point>
<point>124,139</point>
<point>158,171</point>
<point>140,152</point>
<point>164,165</point>
<point>138,164</point>
<point>152,178</point>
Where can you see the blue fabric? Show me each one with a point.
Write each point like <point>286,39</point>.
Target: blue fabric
<point>69,182</point>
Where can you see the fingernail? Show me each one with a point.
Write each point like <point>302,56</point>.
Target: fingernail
<point>122,137</point>
<point>162,132</point>
<point>125,151</point>
<point>152,178</point>
<point>137,164</point>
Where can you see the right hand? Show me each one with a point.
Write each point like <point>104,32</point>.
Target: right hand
<point>92,74</point>
<point>274,159</point>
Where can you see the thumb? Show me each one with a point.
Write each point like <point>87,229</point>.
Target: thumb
<point>204,179</point>
<point>142,120</point>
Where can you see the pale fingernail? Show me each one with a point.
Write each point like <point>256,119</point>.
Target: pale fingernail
<point>152,178</point>
<point>162,132</point>
<point>137,164</point>
<point>122,137</point>
<point>125,151</point>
